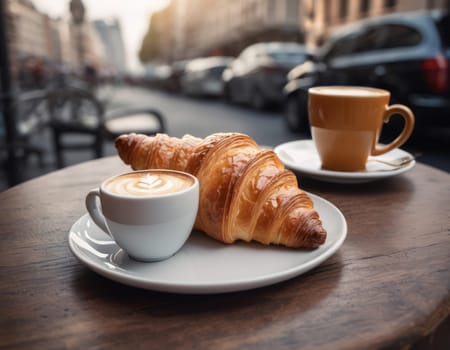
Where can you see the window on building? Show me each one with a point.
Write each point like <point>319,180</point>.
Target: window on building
<point>390,3</point>
<point>272,6</point>
<point>328,14</point>
<point>292,10</point>
<point>343,9</point>
<point>364,6</point>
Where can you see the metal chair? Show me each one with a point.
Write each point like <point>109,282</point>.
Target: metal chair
<point>147,121</point>
<point>74,114</point>
<point>75,111</point>
<point>31,120</point>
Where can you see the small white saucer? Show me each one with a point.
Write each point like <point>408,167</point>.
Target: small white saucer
<point>203,265</point>
<point>302,157</point>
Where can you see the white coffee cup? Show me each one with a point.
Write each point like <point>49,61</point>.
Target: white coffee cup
<point>149,213</point>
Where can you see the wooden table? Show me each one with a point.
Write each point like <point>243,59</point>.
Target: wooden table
<point>387,287</point>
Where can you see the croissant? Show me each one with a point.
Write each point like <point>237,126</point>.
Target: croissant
<point>245,191</point>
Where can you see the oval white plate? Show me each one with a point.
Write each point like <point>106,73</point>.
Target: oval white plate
<point>203,265</point>
<point>302,157</point>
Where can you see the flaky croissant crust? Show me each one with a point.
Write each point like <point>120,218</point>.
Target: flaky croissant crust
<point>245,191</point>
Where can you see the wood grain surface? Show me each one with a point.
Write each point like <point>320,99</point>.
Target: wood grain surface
<point>387,287</point>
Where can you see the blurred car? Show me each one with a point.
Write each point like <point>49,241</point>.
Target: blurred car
<point>173,81</point>
<point>157,75</point>
<point>203,76</point>
<point>258,74</point>
<point>407,54</point>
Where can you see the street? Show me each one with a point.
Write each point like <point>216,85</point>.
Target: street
<point>202,116</point>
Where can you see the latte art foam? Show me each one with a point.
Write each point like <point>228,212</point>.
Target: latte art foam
<point>143,184</point>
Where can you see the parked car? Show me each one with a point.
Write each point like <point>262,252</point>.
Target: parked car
<point>173,81</point>
<point>203,76</point>
<point>258,74</point>
<point>407,54</point>
<point>156,76</point>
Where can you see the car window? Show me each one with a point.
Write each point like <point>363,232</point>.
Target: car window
<point>399,36</point>
<point>386,37</point>
<point>369,40</point>
<point>341,47</point>
<point>288,56</point>
<point>217,70</point>
<point>443,26</point>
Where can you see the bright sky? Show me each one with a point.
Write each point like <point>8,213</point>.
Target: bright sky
<point>133,15</point>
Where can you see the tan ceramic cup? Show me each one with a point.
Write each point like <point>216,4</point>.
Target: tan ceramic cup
<point>346,123</point>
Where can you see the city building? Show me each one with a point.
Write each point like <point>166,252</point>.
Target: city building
<point>30,30</point>
<point>110,34</point>
<point>319,18</point>
<point>41,46</point>
<point>193,28</point>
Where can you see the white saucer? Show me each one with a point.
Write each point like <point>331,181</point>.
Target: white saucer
<point>302,157</point>
<point>203,265</point>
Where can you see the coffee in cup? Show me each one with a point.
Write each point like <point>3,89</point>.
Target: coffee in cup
<point>346,123</point>
<point>144,184</point>
<point>149,213</point>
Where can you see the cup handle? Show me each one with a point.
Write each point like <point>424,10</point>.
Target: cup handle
<point>408,116</point>
<point>94,210</point>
